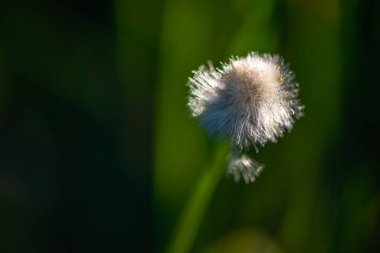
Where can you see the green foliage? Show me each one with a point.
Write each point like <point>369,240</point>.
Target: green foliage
<point>296,202</point>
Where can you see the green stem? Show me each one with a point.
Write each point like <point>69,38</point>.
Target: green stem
<point>197,204</point>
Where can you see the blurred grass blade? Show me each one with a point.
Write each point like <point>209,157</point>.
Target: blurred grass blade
<point>197,204</point>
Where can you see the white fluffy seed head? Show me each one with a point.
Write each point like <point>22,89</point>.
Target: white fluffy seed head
<point>249,101</point>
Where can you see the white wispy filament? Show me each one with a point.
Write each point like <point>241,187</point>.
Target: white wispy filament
<point>249,101</point>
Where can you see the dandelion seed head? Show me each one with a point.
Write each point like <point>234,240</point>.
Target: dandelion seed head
<point>249,101</point>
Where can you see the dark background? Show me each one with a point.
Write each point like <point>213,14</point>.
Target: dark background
<point>98,152</point>
<point>75,159</point>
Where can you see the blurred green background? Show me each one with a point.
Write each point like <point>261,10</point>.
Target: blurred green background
<point>98,152</point>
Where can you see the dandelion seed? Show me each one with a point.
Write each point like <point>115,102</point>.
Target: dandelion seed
<point>249,101</point>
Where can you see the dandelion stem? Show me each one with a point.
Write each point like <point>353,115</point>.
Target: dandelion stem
<point>197,203</point>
